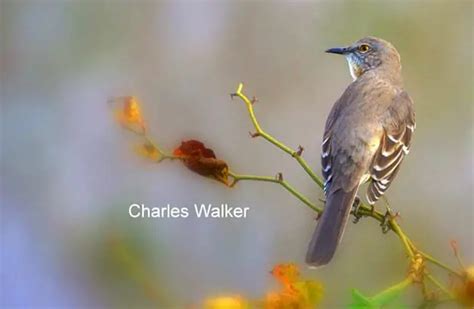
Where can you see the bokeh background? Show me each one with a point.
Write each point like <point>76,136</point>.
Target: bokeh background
<point>68,172</point>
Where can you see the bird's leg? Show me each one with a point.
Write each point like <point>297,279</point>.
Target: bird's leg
<point>385,224</point>
<point>355,209</point>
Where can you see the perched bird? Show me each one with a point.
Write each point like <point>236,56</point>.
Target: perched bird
<point>367,135</point>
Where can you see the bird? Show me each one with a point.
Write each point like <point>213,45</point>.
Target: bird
<point>368,133</point>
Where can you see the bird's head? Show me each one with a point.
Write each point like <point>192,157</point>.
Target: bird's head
<point>368,54</point>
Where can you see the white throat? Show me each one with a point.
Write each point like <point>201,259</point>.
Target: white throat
<point>352,64</point>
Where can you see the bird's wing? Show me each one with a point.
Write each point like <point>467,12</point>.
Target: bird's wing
<point>394,146</point>
<point>326,160</point>
<point>326,151</point>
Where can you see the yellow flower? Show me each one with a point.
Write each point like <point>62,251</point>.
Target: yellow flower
<point>226,302</point>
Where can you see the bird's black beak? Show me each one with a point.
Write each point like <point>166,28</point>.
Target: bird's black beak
<point>338,50</point>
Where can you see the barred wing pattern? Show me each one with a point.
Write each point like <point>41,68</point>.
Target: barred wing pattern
<point>398,127</point>
<point>326,162</point>
<point>394,146</point>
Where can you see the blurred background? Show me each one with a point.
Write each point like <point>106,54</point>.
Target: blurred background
<point>69,173</point>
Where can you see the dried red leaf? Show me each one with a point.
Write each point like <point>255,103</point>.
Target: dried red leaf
<point>202,160</point>
<point>193,148</point>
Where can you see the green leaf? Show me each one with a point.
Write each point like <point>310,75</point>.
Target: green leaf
<point>386,297</point>
<point>360,301</point>
<point>389,295</point>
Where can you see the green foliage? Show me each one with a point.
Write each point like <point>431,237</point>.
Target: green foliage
<point>386,299</point>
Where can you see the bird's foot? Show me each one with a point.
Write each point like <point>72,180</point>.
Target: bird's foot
<point>355,210</point>
<point>389,215</point>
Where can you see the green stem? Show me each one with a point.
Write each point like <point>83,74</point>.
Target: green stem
<point>144,134</point>
<point>163,155</point>
<point>260,132</point>
<point>439,285</point>
<point>391,293</point>
<point>438,263</point>
<point>405,240</point>
<point>280,181</point>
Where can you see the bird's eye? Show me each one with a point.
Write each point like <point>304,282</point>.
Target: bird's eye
<point>364,48</point>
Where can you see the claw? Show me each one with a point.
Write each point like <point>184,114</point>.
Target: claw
<point>254,100</point>
<point>232,95</point>
<point>389,215</point>
<point>355,210</point>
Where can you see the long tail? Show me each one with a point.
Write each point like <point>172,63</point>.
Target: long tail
<point>329,231</point>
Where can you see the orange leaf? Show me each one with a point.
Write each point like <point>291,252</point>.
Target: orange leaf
<point>129,114</point>
<point>286,273</point>
<point>202,160</point>
<point>295,293</point>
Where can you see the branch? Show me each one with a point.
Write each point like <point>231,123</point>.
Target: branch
<point>260,132</point>
<point>162,154</point>
<point>440,286</point>
<point>278,180</point>
<point>434,261</point>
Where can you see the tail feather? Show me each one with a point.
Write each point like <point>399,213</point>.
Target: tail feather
<point>330,228</point>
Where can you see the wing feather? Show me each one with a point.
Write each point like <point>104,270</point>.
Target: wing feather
<point>395,145</point>
<point>326,161</point>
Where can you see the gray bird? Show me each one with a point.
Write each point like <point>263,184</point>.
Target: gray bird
<point>367,135</point>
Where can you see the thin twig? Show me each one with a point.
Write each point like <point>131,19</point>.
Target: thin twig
<point>397,229</point>
<point>439,264</point>
<point>260,132</point>
<point>163,155</point>
<point>440,285</point>
<point>280,181</point>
